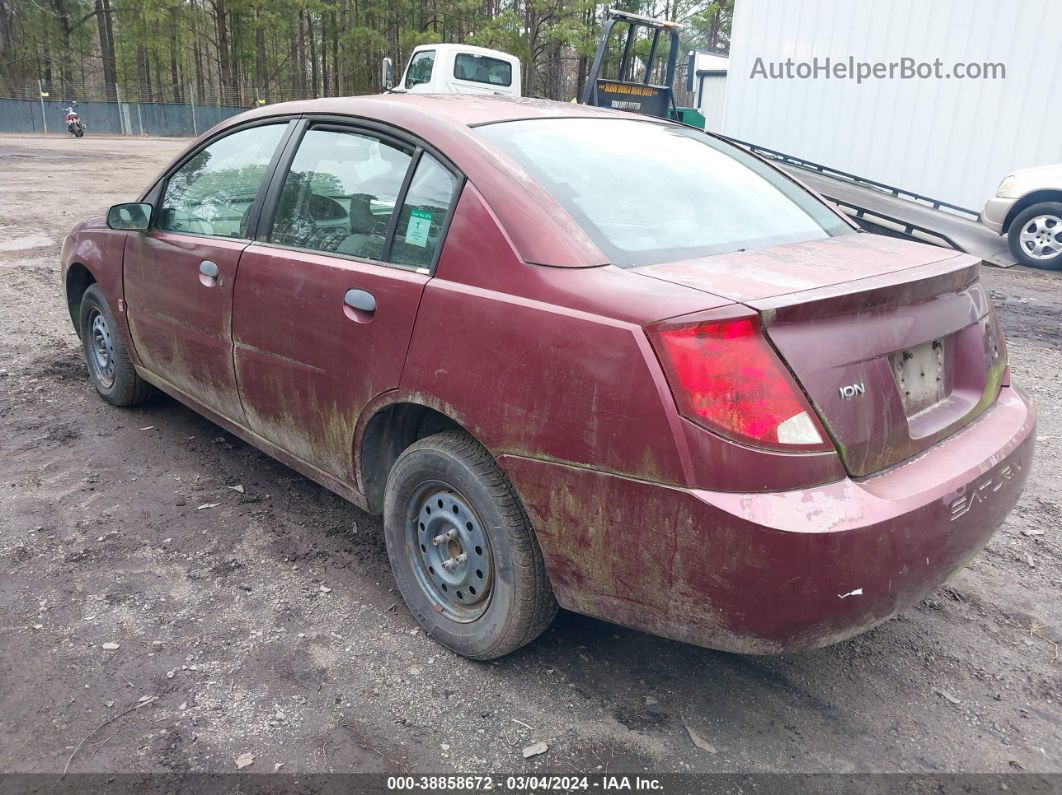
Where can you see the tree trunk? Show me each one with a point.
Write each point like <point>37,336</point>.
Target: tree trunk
<point>221,25</point>
<point>106,33</point>
<point>259,57</point>
<point>235,80</point>
<point>335,56</point>
<point>312,36</point>
<point>7,40</point>
<point>342,84</point>
<point>159,94</point>
<point>175,72</point>
<point>47,71</point>
<point>325,75</point>
<point>143,76</point>
<point>300,56</point>
<point>66,75</point>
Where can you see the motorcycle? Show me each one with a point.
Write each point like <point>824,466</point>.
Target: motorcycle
<point>74,125</point>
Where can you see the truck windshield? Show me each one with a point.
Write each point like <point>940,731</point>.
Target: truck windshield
<point>648,192</point>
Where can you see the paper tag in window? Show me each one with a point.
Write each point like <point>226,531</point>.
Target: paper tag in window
<point>419,224</point>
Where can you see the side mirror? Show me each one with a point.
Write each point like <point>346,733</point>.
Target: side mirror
<point>132,216</point>
<point>387,74</point>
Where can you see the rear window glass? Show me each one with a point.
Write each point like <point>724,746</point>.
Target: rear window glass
<point>648,192</point>
<point>481,69</point>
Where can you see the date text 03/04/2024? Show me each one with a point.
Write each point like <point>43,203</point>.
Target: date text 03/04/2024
<point>523,783</point>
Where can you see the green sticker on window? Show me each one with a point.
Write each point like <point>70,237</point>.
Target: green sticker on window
<point>419,224</point>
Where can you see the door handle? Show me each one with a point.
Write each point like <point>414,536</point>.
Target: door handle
<point>209,273</point>
<point>360,300</point>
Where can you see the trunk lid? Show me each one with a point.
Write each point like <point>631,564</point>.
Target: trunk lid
<point>895,343</point>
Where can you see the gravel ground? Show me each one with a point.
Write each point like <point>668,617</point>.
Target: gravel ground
<point>270,624</point>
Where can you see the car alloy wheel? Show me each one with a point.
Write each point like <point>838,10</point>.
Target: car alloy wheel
<point>1041,237</point>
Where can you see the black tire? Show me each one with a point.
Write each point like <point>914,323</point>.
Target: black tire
<point>103,345</point>
<point>452,468</point>
<point>1041,223</point>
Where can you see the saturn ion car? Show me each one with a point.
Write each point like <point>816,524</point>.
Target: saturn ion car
<point>575,358</point>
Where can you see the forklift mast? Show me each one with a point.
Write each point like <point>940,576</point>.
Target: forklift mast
<point>622,92</point>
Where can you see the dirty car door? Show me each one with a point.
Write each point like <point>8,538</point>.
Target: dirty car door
<point>326,299</point>
<point>179,275</point>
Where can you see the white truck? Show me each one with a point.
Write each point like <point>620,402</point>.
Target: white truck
<point>456,69</point>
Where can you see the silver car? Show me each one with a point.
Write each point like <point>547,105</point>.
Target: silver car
<point>1027,208</point>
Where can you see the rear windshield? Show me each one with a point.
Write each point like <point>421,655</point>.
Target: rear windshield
<point>648,192</point>
<point>481,69</point>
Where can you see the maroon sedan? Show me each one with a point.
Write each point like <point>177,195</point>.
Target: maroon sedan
<point>574,357</point>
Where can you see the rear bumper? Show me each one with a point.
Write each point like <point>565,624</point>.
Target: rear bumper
<point>776,572</point>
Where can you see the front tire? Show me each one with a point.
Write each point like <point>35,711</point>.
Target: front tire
<point>1035,236</point>
<point>109,367</point>
<point>462,549</point>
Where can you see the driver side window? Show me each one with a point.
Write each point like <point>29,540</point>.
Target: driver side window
<point>340,193</point>
<point>420,68</point>
<point>212,194</point>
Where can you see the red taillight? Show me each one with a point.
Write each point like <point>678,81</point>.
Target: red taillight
<point>726,377</point>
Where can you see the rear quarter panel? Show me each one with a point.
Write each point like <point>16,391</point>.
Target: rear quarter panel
<point>524,358</point>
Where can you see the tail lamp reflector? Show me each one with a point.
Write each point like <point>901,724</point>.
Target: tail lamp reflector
<point>726,377</point>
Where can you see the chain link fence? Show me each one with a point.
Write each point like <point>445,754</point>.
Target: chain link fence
<point>128,109</point>
<point>167,109</point>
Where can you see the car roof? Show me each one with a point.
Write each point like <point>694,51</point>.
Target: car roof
<point>541,230</point>
<point>465,109</point>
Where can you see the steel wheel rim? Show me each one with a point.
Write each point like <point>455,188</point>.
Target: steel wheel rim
<point>101,353</point>
<point>450,552</point>
<point>1041,237</point>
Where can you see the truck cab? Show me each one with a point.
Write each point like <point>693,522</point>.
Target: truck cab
<point>460,69</point>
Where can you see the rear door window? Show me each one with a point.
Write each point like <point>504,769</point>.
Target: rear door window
<point>340,193</point>
<point>481,69</point>
<point>214,191</point>
<point>423,217</point>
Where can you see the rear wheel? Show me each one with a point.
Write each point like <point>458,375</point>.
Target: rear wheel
<point>462,549</point>
<point>109,367</point>
<point>1035,236</point>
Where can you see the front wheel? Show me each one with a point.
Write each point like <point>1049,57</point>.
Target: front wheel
<point>110,369</point>
<point>462,549</point>
<point>1035,236</point>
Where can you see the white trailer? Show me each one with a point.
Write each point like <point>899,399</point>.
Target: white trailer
<point>949,137</point>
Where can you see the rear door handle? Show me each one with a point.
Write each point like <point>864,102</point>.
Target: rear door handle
<point>360,300</point>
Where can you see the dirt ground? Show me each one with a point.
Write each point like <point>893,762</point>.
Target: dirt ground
<point>220,614</point>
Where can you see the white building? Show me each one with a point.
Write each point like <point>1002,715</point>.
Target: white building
<point>709,88</point>
<point>949,135</point>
